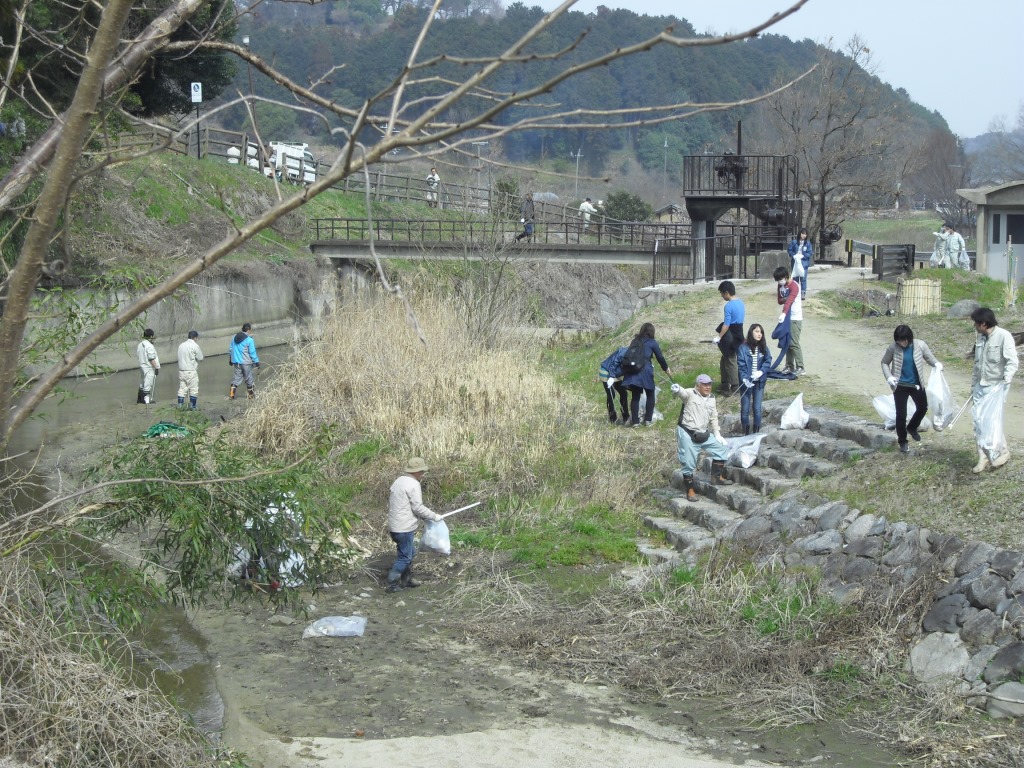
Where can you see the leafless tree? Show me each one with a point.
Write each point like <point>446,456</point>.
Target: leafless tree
<point>114,60</point>
<point>943,167</point>
<point>839,130</point>
<point>1001,157</point>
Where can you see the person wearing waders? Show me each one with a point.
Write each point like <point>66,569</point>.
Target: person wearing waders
<point>149,366</point>
<point>405,510</point>
<point>243,359</point>
<point>189,357</point>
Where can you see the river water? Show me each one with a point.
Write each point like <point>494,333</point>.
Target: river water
<point>93,413</point>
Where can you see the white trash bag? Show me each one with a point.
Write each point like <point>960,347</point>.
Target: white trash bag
<point>436,537</point>
<point>743,450</point>
<point>988,421</point>
<point>885,407</point>
<point>941,405</point>
<point>795,417</point>
<point>657,415</point>
<point>336,626</point>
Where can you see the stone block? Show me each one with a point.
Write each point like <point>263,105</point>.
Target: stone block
<point>865,525</point>
<point>981,629</point>
<point>859,569</point>
<point>939,658</point>
<point>820,543</point>
<point>870,547</point>
<point>1007,562</point>
<point>975,554</point>
<point>1006,701</point>
<point>987,591</point>
<point>944,614</point>
<point>1007,664</point>
<point>832,516</point>
<point>753,528</point>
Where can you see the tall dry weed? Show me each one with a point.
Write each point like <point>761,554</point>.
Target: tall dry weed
<point>456,399</point>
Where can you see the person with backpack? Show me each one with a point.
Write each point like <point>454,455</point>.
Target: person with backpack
<point>610,374</point>
<point>638,373</point>
<point>754,361</point>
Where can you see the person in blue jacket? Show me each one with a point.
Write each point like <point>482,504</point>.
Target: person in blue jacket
<point>754,361</point>
<point>610,374</point>
<point>800,248</point>
<point>244,360</point>
<point>642,383</point>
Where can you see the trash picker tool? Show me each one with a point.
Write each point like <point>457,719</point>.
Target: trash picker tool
<point>959,413</point>
<point>461,509</point>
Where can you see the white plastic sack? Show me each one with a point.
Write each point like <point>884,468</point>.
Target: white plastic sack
<point>798,267</point>
<point>336,626</point>
<point>941,405</point>
<point>435,537</point>
<point>885,407</point>
<point>743,450</point>
<point>657,415</point>
<point>795,416</point>
<point>935,260</point>
<point>988,421</point>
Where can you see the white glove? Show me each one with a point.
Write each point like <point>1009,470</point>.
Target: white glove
<point>676,389</point>
<point>782,317</point>
<point>748,383</point>
<point>892,382</point>
<point>522,221</point>
<point>1007,380</point>
<point>938,366</point>
<point>716,339</point>
<point>757,375</point>
<point>611,381</point>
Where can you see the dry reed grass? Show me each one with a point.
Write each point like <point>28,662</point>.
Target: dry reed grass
<point>60,706</point>
<point>455,400</point>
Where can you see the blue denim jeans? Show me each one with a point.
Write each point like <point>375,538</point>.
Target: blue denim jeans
<point>406,543</point>
<point>750,400</point>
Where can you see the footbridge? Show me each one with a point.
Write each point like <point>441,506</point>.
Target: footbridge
<point>668,250</point>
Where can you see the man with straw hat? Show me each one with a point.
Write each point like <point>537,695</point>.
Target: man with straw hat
<point>405,510</point>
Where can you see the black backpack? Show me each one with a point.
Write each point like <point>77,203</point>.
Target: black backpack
<point>634,360</point>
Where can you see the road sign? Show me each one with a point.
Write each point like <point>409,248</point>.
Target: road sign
<point>197,93</point>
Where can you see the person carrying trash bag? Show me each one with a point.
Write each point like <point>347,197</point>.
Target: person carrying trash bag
<point>697,430</point>
<point>405,510</point>
<point>995,362</point>
<point>610,374</point>
<point>902,367</point>
<point>638,373</point>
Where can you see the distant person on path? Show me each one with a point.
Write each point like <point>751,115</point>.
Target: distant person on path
<point>610,374</point>
<point>903,369</point>
<point>587,209</point>
<point>788,296</point>
<point>405,510</point>
<point>754,361</point>
<point>189,357</point>
<point>950,249</point>
<point>149,366</point>
<point>800,253</point>
<point>433,180</point>
<point>643,382</point>
<point>730,336</point>
<point>526,218</point>
<point>244,360</point>
<point>697,430</point>
<point>995,362</point>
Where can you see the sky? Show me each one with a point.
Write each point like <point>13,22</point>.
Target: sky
<point>964,59</point>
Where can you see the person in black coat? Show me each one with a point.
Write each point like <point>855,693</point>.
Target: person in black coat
<point>643,382</point>
<point>610,374</point>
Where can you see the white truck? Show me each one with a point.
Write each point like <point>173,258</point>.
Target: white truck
<point>293,162</point>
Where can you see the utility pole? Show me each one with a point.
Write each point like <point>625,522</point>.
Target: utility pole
<point>578,155</point>
<point>664,174</point>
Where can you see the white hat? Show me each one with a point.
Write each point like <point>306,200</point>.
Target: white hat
<point>416,464</point>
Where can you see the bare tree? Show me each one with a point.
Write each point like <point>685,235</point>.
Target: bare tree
<point>113,61</point>
<point>839,130</point>
<point>1000,158</point>
<point>943,167</point>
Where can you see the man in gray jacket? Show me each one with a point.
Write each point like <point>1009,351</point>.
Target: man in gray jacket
<point>697,430</point>
<point>405,510</point>
<point>995,362</point>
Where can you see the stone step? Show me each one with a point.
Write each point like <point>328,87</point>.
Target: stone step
<point>793,463</point>
<point>766,480</point>
<point>655,554</point>
<point>834,449</point>
<point>684,536</point>
<point>704,512</point>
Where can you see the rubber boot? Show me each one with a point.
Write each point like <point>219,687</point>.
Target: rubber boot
<point>718,473</point>
<point>252,393</point>
<point>142,396</point>
<point>691,492</point>
<point>193,403</point>
<point>181,402</point>
<point>393,586</point>
<point>746,430</point>
<point>982,464</point>
<point>407,581</point>
<point>231,392</point>
<point>1001,459</point>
